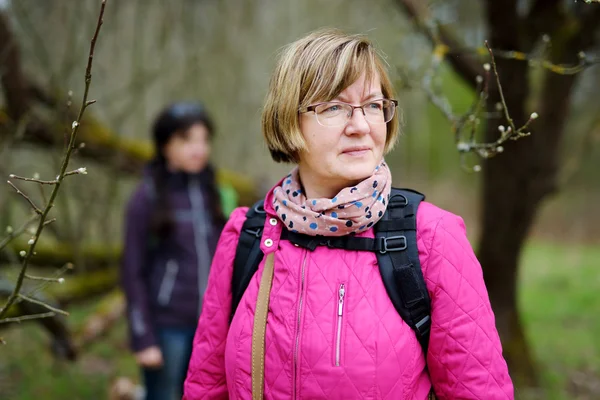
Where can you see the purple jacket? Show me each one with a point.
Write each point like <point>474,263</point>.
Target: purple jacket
<point>164,278</point>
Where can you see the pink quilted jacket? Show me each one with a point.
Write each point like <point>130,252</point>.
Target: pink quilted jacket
<point>367,352</point>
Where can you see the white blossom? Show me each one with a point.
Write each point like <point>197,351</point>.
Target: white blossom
<point>74,125</point>
<point>61,280</point>
<point>22,253</point>
<point>486,66</point>
<point>462,146</point>
<point>477,168</point>
<point>82,171</point>
<point>534,115</point>
<point>36,175</point>
<point>501,128</point>
<point>9,229</point>
<point>31,241</point>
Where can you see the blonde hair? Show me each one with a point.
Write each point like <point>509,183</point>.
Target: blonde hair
<point>318,67</point>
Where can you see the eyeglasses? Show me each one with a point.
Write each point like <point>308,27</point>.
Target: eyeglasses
<point>337,113</point>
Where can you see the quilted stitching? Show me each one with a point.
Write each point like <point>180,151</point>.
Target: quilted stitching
<point>380,356</point>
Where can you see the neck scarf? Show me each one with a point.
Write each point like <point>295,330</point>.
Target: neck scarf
<point>354,209</point>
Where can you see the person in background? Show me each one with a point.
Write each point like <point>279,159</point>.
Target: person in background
<point>172,225</point>
<point>327,327</point>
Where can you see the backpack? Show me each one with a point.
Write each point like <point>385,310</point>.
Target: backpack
<point>395,245</point>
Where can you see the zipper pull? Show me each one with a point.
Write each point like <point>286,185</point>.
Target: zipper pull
<point>342,292</point>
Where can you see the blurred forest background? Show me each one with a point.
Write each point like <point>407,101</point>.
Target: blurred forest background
<point>152,52</point>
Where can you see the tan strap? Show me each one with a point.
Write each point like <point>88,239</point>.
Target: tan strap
<point>260,327</point>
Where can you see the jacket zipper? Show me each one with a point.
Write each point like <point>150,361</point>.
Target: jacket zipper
<point>168,283</point>
<point>338,336</point>
<point>299,320</point>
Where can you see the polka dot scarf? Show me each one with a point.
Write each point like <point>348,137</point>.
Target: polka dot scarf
<point>353,209</point>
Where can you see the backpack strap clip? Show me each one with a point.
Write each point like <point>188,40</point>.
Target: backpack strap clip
<point>256,232</point>
<point>392,243</point>
<point>422,327</point>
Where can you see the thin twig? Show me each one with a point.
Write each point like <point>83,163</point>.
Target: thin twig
<point>48,222</point>
<point>44,278</point>
<point>583,63</point>
<point>57,275</point>
<point>500,91</point>
<point>19,192</point>
<point>26,317</point>
<point>41,303</point>
<point>79,171</point>
<point>465,126</point>
<point>75,127</point>
<point>41,182</point>
<point>18,232</point>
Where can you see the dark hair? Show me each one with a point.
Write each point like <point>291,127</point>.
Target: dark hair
<point>173,120</point>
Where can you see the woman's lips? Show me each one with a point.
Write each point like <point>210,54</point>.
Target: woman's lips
<point>356,152</point>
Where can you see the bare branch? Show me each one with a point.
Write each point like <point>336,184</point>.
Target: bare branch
<point>41,303</point>
<point>466,125</point>
<point>57,277</point>
<point>78,171</point>
<point>16,233</point>
<point>26,318</point>
<point>466,67</point>
<point>19,192</point>
<point>44,278</point>
<point>41,182</point>
<point>88,78</point>
<point>48,222</point>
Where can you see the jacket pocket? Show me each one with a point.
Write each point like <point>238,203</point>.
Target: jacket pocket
<point>337,348</point>
<point>168,282</point>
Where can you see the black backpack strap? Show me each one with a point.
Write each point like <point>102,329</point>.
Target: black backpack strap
<point>348,242</point>
<point>400,267</point>
<point>248,253</point>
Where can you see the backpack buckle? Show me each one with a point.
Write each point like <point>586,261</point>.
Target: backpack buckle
<point>393,243</point>
<point>422,327</point>
<point>257,232</point>
<point>392,202</point>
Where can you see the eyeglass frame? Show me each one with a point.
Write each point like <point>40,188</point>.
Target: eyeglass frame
<point>314,106</point>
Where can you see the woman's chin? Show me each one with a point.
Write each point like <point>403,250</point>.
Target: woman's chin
<point>355,174</point>
<point>357,171</point>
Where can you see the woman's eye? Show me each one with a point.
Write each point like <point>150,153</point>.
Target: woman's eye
<point>333,108</point>
<point>375,106</point>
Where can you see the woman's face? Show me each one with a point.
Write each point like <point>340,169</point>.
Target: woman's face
<point>188,152</point>
<point>341,156</point>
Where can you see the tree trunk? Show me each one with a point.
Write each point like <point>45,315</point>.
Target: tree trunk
<point>516,182</point>
<point>514,186</point>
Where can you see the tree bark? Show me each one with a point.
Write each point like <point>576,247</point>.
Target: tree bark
<point>12,78</point>
<point>516,183</point>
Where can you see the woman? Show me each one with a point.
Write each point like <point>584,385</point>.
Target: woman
<point>330,109</point>
<point>173,222</point>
